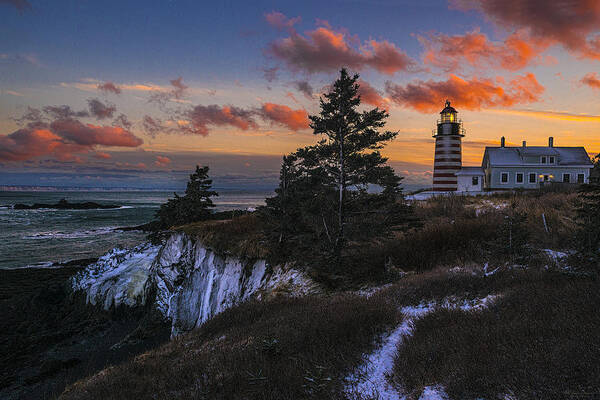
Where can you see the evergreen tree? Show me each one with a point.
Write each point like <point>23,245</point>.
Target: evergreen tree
<point>195,205</point>
<point>349,149</point>
<point>325,200</point>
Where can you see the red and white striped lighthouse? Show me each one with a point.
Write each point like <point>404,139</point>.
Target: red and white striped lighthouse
<point>448,150</point>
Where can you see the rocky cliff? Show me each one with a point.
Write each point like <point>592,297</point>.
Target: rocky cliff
<point>186,281</point>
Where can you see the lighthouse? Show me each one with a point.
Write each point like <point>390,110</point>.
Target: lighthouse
<point>448,150</point>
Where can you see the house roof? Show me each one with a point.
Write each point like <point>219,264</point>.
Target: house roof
<point>515,155</point>
<point>471,171</point>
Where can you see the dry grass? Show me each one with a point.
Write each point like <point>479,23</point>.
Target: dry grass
<point>241,236</point>
<point>539,341</point>
<point>280,349</point>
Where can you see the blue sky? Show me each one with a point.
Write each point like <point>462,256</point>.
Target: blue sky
<point>57,53</point>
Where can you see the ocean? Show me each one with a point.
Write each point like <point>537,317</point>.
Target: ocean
<point>39,238</point>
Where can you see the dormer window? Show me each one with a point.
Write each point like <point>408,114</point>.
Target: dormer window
<point>543,159</point>
<point>551,159</point>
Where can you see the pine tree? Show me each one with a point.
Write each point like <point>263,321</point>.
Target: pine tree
<point>349,149</point>
<point>195,205</point>
<point>326,200</point>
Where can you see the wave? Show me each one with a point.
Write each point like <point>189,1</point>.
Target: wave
<point>72,235</point>
<point>38,265</point>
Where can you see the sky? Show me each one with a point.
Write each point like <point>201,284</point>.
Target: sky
<point>136,93</point>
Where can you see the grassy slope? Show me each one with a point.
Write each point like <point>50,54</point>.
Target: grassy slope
<point>302,348</point>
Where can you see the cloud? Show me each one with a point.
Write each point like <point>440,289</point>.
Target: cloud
<point>284,115</point>
<point>560,115</point>
<point>573,23</point>
<point>280,21</point>
<point>152,126</point>
<point>592,80</point>
<point>474,94</point>
<point>56,112</point>
<point>305,88</point>
<point>325,49</point>
<point>162,161</point>
<point>270,74</point>
<point>122,121</point>
<point>200,117</point>
<point>102,155</point>
<point>90,135</point>
<point>176,92</point>
<point>451,53</point>
<point>101,110</point>
<point>109,87</point>
<point>20,5</point>
<point>62,139</point>
<point>370,95</point>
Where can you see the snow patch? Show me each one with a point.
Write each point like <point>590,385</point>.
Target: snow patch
<point>371,378</point>
<point>191,283</point>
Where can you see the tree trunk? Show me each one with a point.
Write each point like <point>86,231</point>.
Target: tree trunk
<point>342,188</point>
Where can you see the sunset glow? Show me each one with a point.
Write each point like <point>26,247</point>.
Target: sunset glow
<point>137,101</point>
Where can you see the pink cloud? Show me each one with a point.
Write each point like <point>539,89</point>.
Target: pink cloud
<point>162,161</point>
<point>573,23</point>
<point>201,117</point>
<point>370,95</point>
<point>325,49</point>
<point>592,80</point>
<point>101,110</point>
<point>280,21</point>
<point>474,94</point>
<point>284,115</point>
<point>101,155</point>
<point>451,53</point>
<point>109,87</point>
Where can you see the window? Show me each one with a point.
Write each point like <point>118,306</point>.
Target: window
<point>580,178</point>
<point>519,177</point>
<point>543,159</point>
<point>532,177</point>
<point>551,159</point>
<point>475,181</point>
<point>566,178</point>
<point>504,177</point>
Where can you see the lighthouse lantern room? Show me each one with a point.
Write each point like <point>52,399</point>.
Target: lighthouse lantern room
<point>448,150</point>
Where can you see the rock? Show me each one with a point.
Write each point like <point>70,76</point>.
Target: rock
<point>190,282</point>
<point>65,205</point>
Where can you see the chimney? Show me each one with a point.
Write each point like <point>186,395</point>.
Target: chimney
<point>502,141</point>
<point>524,143</point>
<point>550,141</point>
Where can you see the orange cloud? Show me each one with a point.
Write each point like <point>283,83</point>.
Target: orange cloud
<point>162,161</point>
<point>325,49</point>
<point>102,155</point>
<point>451,53</point>
<point>284,115</point>
<point>573,23</point>
<point>201,117</point>
<point>109,87</point>
<point>564,116</point>
<point>592,80</point>
<point>369,95</point>
<point>474,94</point>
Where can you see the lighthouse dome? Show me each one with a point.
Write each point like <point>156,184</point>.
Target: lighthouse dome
<point>448,109</point>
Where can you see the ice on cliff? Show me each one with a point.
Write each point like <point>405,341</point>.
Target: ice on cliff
<point>190,282</point>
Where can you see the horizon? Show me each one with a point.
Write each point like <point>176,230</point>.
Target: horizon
<point>135,95</point>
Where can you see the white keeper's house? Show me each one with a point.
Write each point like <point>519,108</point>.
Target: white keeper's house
<point>503,167</point>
